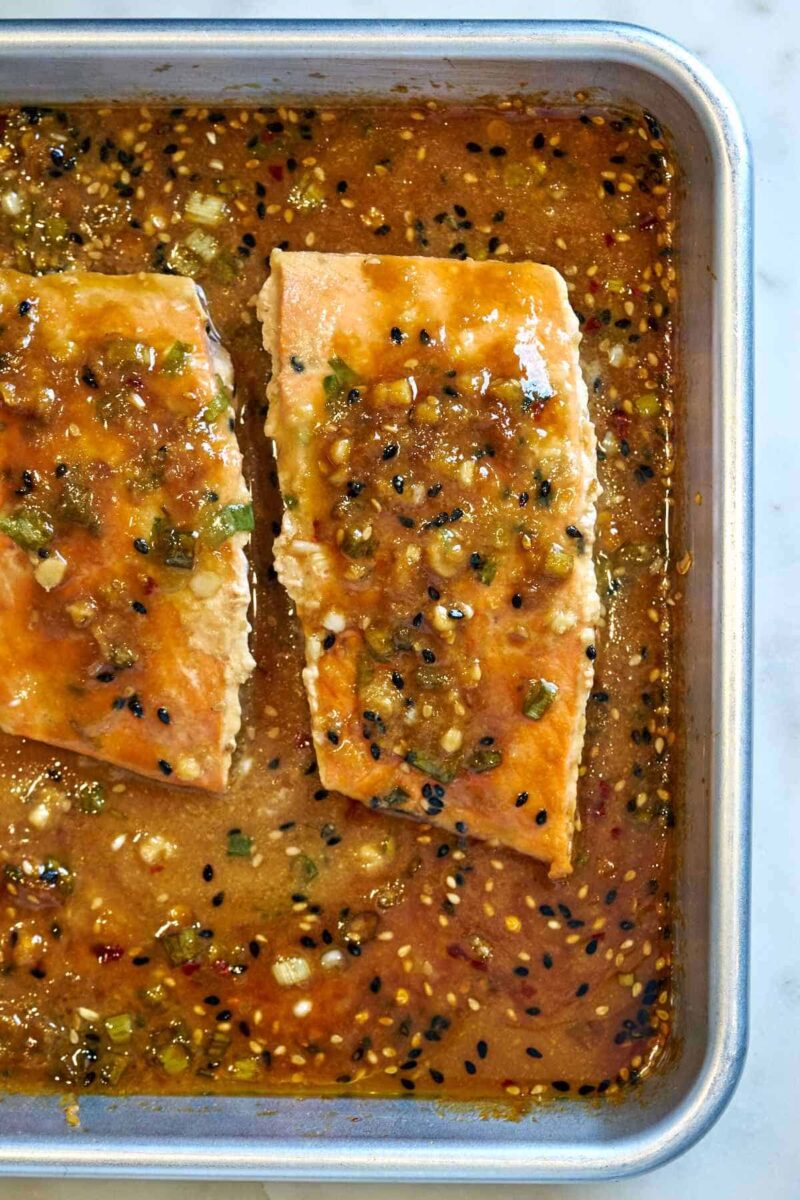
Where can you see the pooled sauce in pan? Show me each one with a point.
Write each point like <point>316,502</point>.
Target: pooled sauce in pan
<point>280,937</point>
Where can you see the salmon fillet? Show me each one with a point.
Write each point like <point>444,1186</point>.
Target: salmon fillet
<point>123,520</point>
<point>437,464</point>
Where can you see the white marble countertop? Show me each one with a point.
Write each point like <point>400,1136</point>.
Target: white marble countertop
<point>754,46</point>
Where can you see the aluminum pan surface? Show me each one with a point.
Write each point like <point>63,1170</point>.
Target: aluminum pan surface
<point>267,1137</point>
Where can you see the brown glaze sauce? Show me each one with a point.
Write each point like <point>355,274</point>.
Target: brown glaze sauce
<point>422,963</point>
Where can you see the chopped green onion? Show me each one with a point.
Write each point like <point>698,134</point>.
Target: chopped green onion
<point>239,844</point>
<point>355,545</point>
<point>120,1027</point>
<point>76,505</point>
<point>113,1068</point>
<point>173,1058</point>
<point>540,695</point>
<point>338,386</point>
<point>558,563</point>
<point>306,194</point>
<point>648,404</point>
<point>227,521</point>
<point>203,244</point>
<point>396,798</point>
<point>291,970</point>
<point>182,945</point>
<point>306,868</point>
<point>485,760</point>
<point>92,797</point>
<point>222,401</point>
<point>430,765</point>
<point>30,528</point>
<point>433,679</point>
<point>181,260</point>
<point>487,571</point>
<point>245,1069</point>
<point>380,642</point>
<point>175,359</point>
<point>125,352</point>
<point>175,547</point>
<point>204,210</point>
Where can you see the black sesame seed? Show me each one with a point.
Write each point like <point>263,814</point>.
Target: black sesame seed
<point>591,947</point>
<point>398,483</point>
<point>470,1067</point>
<point>217,899</point>
<point>397,335</point>
<point>538,141</point>
<point>164,767</point>
<point>591,653</point>
<point>390,451</point>
<point>497,151</point>
<point>560,1085</point>
<point>138,607</point>
<point>581,989</point>
<point>135,706</point>
<point>474,147</point>
<point>516,600</point>
<point>541,817</point>
<point>547,961</point>
<point>333,737</point>
<point>532,1052</point>
<point>141,545</point>
<point>208,872</point>
<point>24,307</point>
<point>163,716</point>
<point>328,641</point>
<point>482,1048</point>
<point>608,188</point>
<point>521,800</point>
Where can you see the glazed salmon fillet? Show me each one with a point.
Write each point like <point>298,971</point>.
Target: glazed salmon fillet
<point>123,519</point>
<point>437,465</point>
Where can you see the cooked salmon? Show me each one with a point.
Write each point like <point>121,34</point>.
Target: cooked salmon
<point>123,519</point>
<point>438,471</point>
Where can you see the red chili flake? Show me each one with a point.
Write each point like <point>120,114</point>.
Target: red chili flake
<point>456,951</point>
<point>276,171</point>
<point>620,422</point>
<point>616,832</point>
<point>221,966</point>
<point>155,870</point>
<point>150,585</point>
<point>190,968</point>
<point>594,286</point>
<point>609,239</point>
<point>107,954</point>
<point>302,740</point>
<point>591,325</point>
<point>648,221</point>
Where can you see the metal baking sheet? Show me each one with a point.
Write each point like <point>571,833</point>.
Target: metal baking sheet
<point>386,1139</point>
